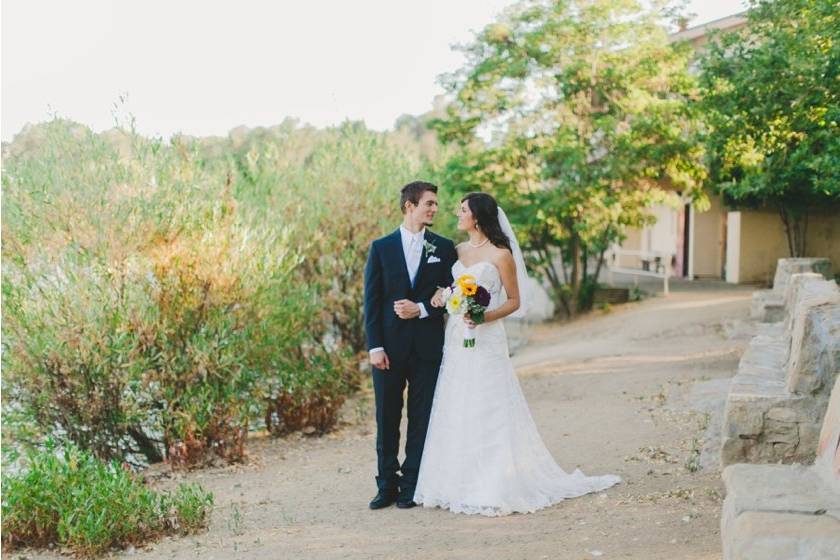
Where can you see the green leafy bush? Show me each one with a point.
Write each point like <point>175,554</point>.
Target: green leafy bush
<point>142,313</point>
<point>306,398</point>
<point>161,299</point>
<point>74,500</point>
<point>342,194</point>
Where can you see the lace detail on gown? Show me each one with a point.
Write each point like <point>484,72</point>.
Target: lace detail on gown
<point>483,453</point>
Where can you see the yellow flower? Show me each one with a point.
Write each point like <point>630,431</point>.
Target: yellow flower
<point>465,279</point>
<point>467,284</point>
<point>468,288</point>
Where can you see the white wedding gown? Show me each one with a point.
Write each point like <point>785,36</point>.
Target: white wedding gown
<point>483,453</point>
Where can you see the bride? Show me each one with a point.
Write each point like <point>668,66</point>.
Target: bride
<point>483,453</point>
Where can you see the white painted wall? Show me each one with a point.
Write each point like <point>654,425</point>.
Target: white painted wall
<point>733,247</point>
<point>663,234</point>
<point>692,224</point>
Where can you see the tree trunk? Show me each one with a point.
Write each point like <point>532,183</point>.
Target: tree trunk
<point>553,276</point>
<point>598,267</point>
<point>563,289</point>
<point>604,239</point>
<point>565,269</point>
<point>576,271</point>
<point>803,233</point>
<point>795,221</point>
<point>585,259</point>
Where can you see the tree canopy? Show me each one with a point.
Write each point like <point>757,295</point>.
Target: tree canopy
<point>772,103</point>
<point>578,116</point>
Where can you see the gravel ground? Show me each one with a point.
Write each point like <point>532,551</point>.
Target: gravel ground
<point>636,391</point>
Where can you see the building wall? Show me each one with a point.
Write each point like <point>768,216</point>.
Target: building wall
<point>823,238</point>
<point>660,237</point>
<point>761,241</point>
<point>633,242</point>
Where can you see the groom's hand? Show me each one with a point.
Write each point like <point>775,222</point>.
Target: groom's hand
<point>379,360</point>
<point>406,309</point>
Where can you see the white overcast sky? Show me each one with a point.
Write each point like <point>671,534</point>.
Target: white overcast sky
<point>203,67</point>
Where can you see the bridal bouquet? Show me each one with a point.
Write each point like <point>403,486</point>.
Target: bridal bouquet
<point>466,297</point>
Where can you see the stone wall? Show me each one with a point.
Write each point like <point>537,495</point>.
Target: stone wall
<point>769,305</point>
<point>786,512</point>
<point>779,394</point>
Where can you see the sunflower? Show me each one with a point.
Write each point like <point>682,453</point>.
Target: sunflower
<point>465,282</point>
<point>466,278</point>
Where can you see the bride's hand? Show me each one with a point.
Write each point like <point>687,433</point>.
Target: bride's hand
<point>437,299</point>
<point>469,322</point>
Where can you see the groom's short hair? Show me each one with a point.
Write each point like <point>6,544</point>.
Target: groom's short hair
<point>413,192</point>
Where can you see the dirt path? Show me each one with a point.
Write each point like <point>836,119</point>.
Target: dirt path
<point>611,393</point>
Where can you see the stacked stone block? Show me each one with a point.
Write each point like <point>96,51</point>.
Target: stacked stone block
<point>768,306</point>
<point>786,512</point>
<point>779,394</point>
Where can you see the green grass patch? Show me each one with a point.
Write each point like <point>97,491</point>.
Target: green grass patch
<point>74,500</point>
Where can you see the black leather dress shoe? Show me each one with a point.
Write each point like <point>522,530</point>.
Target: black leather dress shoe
<point>384,499</point>
<point>406,500</point>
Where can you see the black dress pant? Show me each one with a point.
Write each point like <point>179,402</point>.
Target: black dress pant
<point>388,386</point>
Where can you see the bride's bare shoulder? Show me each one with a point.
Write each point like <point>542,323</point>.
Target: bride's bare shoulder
<point>501,254</point>
<point>503,259</point>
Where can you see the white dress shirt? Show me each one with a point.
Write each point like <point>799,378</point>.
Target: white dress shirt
<point>412,244</point>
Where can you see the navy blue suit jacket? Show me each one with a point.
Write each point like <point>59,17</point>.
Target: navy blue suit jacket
<point>387,280</point>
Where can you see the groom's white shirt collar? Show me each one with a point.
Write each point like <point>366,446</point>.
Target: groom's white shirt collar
<point>408,236</point>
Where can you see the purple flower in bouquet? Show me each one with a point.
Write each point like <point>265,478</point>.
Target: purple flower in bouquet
<point>482,296</point>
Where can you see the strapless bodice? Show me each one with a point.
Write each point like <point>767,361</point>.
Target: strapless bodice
<point>487,275</point>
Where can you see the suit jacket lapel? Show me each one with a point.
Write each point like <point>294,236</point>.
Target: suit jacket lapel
<point>423,257</point>
<point>396,246</point>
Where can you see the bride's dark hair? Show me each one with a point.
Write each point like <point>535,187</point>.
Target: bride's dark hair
<point>485,211</point>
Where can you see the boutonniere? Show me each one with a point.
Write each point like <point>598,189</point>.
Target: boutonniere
<point>430,247</point>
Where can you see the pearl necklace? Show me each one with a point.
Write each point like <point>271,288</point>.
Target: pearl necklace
<point>480,244</point>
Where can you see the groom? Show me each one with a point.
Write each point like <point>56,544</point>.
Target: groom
<point>405,336</point>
